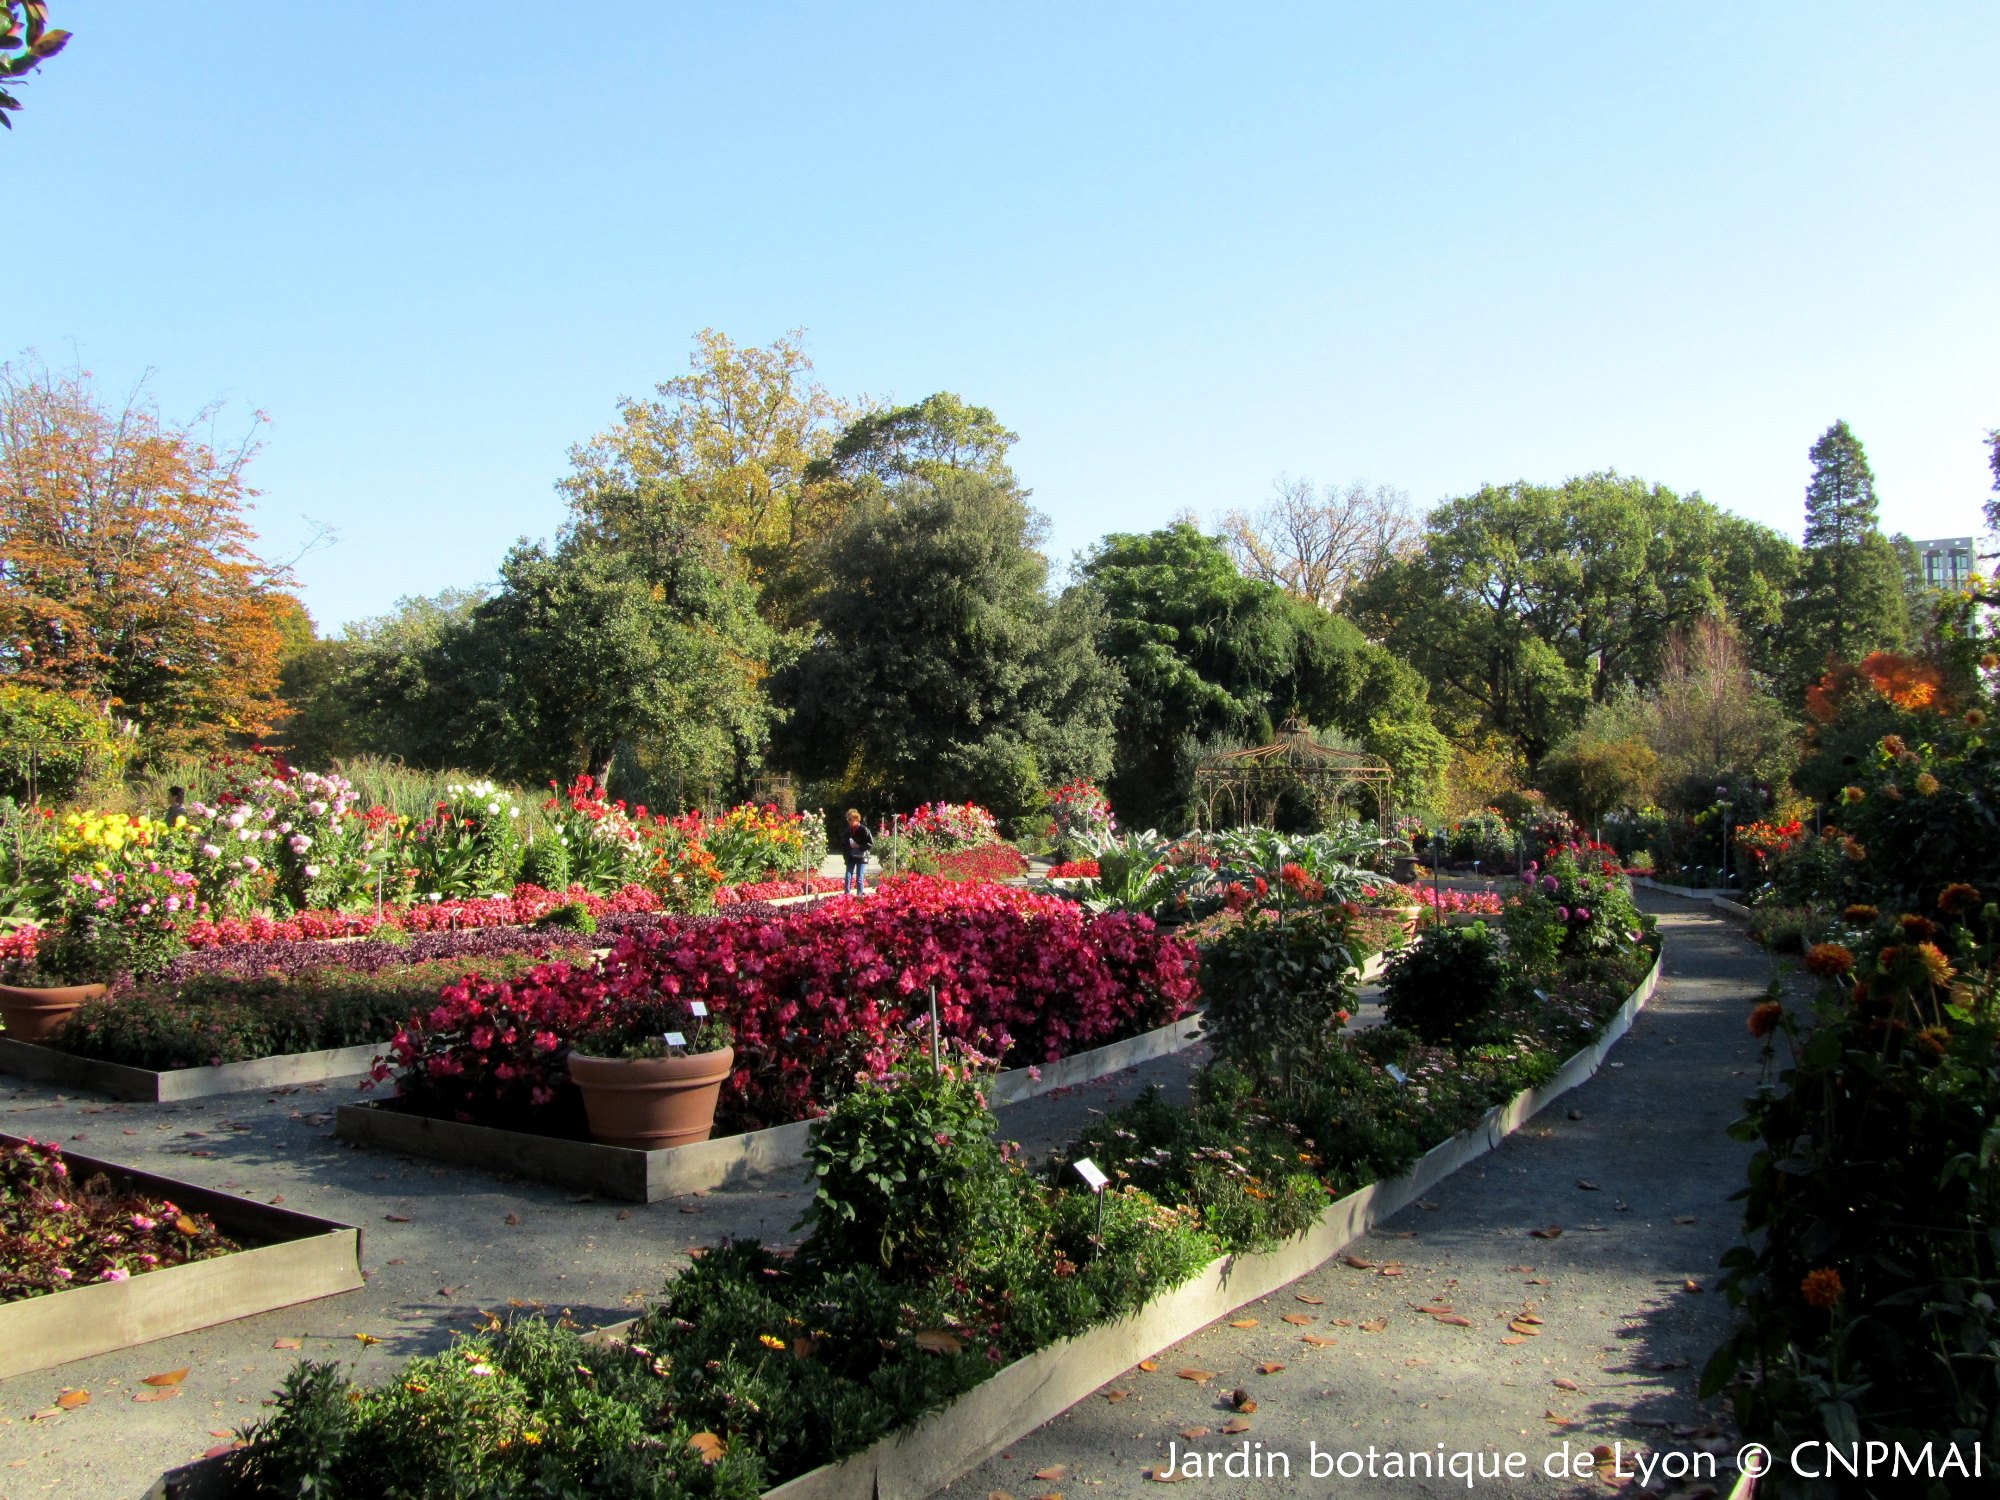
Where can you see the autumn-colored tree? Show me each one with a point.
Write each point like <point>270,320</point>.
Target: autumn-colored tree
<point>127,574</point>
<point>726,446</point>
<point>1314,543</point>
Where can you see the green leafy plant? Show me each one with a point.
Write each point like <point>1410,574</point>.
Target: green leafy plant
<point>903,1173</point>
<point>1279,991</point>
<point>1442,987</point>
<point>633,1029</point>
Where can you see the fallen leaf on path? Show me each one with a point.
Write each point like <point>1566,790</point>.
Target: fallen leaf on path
<point>1524,1270</point>
<point>1392,1271</point>
<point>1235,1425</point>
<point>1199,1377</point>
<point>1192,1433</point>
<point>1298,1318</point>
<point>1343,1323</point>
<point>1162,1475</point>
<point>1549,1416</point>
<point>1562,1384</point>
<point>998,1495</point>
<point>1052,1472</point>
<point>1357,1262</point>
<point>1269,1367</point>
<point>1513,1339</point>
<point>1685,1219</point>
<point>397,1218</point>
<point>1551,1232</point>
<point>516,1219</point>
<point>1453,1319</point>
<point>1116,1394</point>
<point>157,1393</point>
<point>1309,1299</point>
<point>168,1377</point>
<point>1527,1330</point>
<point>1691,1285</point>
<point>1527,1317</point>
<point>1149,1364</point>
<point>1436,1309</point>
<point>1374,1325</point>
<point>43,1415</point>
<point>1586,1185</point>
<point>1316,1341</point>
<point>71,1400</point>
<point>1242,1322</point>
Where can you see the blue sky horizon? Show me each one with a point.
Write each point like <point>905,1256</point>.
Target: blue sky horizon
<point>1180,252</point>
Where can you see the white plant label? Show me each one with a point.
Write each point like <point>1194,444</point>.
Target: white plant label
<point>1092,1174</point>
<point>697,1008</point>
<point>1396,1073</point>
<point>675,1039</point>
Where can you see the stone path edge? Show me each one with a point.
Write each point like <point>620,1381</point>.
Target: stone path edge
<point>175,1085</point>
<point>650,1176</point>
<point>919,1460</point>
<point>302,1259</point>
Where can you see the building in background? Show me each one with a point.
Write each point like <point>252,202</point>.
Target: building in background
<point>1947,561</point>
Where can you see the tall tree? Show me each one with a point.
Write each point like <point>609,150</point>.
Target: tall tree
<point>1526,604</point>
<point>729,443</point>
<point>940,666</point>
<point>938,435</point>
<point>1314,544</point>
<point>128,575</point>
<point>26,42</point>
<point>1212,656</point>
<point>1850,598</point>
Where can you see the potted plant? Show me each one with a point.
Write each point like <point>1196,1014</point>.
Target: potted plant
<point>113,923</point>
<point>651,1074</point>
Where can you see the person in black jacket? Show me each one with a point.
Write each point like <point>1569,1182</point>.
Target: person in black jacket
<point>855,843</point>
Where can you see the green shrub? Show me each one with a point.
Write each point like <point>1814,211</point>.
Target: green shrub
<point>571,916</point>
<point>906,1174</point>
<point>51,747</point>
<point>545,862</point>
<point>1442,987</point>
<point>1278,990</point>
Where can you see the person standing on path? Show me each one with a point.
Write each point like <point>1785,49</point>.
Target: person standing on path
<point>856,841</point>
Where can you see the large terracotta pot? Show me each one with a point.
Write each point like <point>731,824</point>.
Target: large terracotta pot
<point>648,1103</point>
<point>32,1015</point>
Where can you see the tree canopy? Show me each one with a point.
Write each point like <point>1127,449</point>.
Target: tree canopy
<point>1210,657</point>
<point>1850,598</point>
<point>128,573</point>
<point>1528,603</point>
<point>940,665</point>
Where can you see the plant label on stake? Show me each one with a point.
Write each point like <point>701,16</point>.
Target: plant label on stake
<point>937,1062</point>
<point>1396,1073</point>
<point>698,1008</point>
<point>1543,996</point>
<point>1094,1179</point>
<point>675,1039</point>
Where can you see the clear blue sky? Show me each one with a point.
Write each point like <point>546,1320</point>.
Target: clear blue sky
<point>1181,249</point>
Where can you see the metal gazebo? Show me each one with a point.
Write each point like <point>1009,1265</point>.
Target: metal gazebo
<point>1247,785</point>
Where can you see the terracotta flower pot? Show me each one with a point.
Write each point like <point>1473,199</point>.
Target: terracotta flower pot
<point>649,1103</point>
<point>32,1015</point>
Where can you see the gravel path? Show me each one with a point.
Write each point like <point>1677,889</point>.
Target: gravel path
<point>444,1246</point>
<point>1626,1314</point>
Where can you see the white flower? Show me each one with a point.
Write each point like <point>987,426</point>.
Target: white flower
<point>238,818</point>
<point>312,872</point>
<point>482,1368</point>
<point>286,826</point>
<point>298,843</point>
<point>244,835</point>
<point>493,808</point>
<point>209,851</point>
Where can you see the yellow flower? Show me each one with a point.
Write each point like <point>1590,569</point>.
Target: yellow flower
<point>770,1341</point>
<point>1927,785</point>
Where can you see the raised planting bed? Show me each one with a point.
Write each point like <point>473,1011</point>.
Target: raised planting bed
<point>923,1457</point>
<point>165,1086</point>
<point>649,1176</point>
<point>286,1258</point>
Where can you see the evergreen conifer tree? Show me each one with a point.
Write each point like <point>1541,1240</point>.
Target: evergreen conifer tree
<point>1849,599</point>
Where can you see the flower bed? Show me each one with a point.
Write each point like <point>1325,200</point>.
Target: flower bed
<point>1076,869</point>
<point>934,1260</point>
<point>233,1005</point>
<point>774,890</point>
<point>57,1231</point>
<point>987,862</point>
<point>814,995</point>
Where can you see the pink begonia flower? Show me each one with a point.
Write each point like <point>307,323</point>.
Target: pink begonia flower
<point>116,1273</point>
